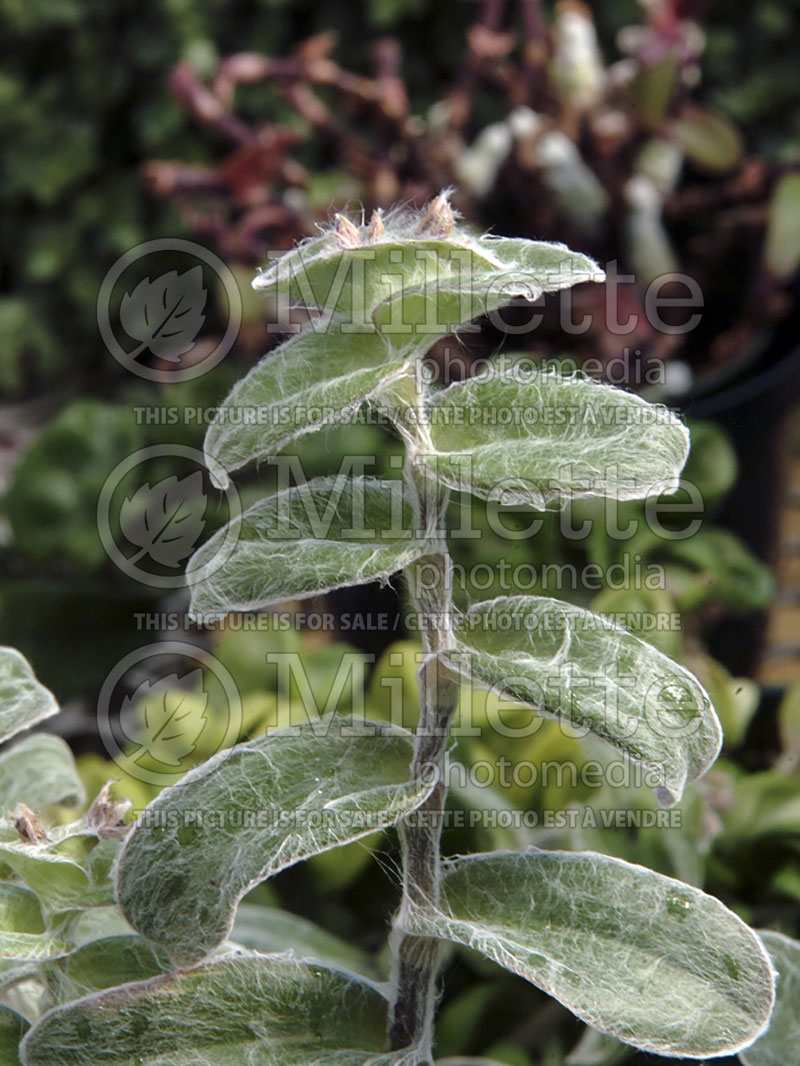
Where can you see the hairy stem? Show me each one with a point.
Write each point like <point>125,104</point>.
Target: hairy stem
<point>416,960</point>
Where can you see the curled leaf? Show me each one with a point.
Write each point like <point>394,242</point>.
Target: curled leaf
<point>306,540</point>
<point>648,959</point>
<point>568,663</point>
<point>782,1039</point>
<point>533,438</point>
<point>39,770</point>
<point>248,813</point>
<point>23,700</point>
<point>314,379</point>
<point>258,1010</point>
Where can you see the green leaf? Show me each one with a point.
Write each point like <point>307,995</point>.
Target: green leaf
<point>529,437</point>
<point>39,770</point>
<point>648,959</point>
<point>789,719</point>
<point>732,574</point>
<point>459,1020</point>
<point>778,1046</point>
<point>240,1010</point>
<point>60,883</point>
<point>22,929</point>
<point>460,277</point>
<point>19,910</point>
<point>353,281</point>
<point>23,701</point>
<point>735,699</point>
<point>712,466</point>
<point>68,870</point>
<point>653,89</point>
<point>570,664</point>
<point>485,275</point>
<point>22,947</point>
<point>415,289</point>
<point>12,1029</point>
<point>248,813</point>
<point>709,139</point>
<point>782,247</point>
<point>270,930</point>
<point>304,541</point>
<point>313,379</point>
<point>767,804</point>
<point>98,923</point>
<point>104,963</point>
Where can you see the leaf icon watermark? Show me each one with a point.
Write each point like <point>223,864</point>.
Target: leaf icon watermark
<point>166,706</point>
<point>165,520</point>
<point>165,313</point>
<point>172,716</point>
<point>155,508</point>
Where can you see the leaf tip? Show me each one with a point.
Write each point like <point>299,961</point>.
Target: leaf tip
<point>263,280</point>
<point>667,797</point>
<point>218,477</point>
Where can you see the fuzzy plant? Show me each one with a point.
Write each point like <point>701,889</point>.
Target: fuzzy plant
<point>647,959</point>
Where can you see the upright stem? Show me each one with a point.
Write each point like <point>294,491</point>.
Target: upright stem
<point>416,960</point>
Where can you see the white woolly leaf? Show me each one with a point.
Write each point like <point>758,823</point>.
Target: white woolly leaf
<point>12,1029</point>
<point>405,280</point>
<point>314,379</point>
<point>529,437</point>
<point>646,958</point>
<point>323,274</point>
<point>23,936</point>
<point>239,1010</point>
<point>778,1045</point>
<point>484,275</point>
<point>104,963</point>
<point>248,813</point>
<point>271,930</point>
<point>98,923</point>
<point>23,700</point>
<point>37,771</point>
<point>59,882</point>
<point>306,540</point>
<point>571,664</point>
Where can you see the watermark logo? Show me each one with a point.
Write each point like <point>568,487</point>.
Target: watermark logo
<point>171,721</point>
<point>165,707</point>
<point>151,521</point>
<point>154,303</point>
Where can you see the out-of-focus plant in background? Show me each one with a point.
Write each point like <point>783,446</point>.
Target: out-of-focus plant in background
<point>663,135</point>
<point>648,135</point>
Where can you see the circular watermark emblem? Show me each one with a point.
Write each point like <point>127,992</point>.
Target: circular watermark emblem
<point>154,303</point>
<point>155,509</point>
<point>165,707</point>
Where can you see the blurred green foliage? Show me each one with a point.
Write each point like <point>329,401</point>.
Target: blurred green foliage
<point>84,101</point>
<point>750,69</point>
